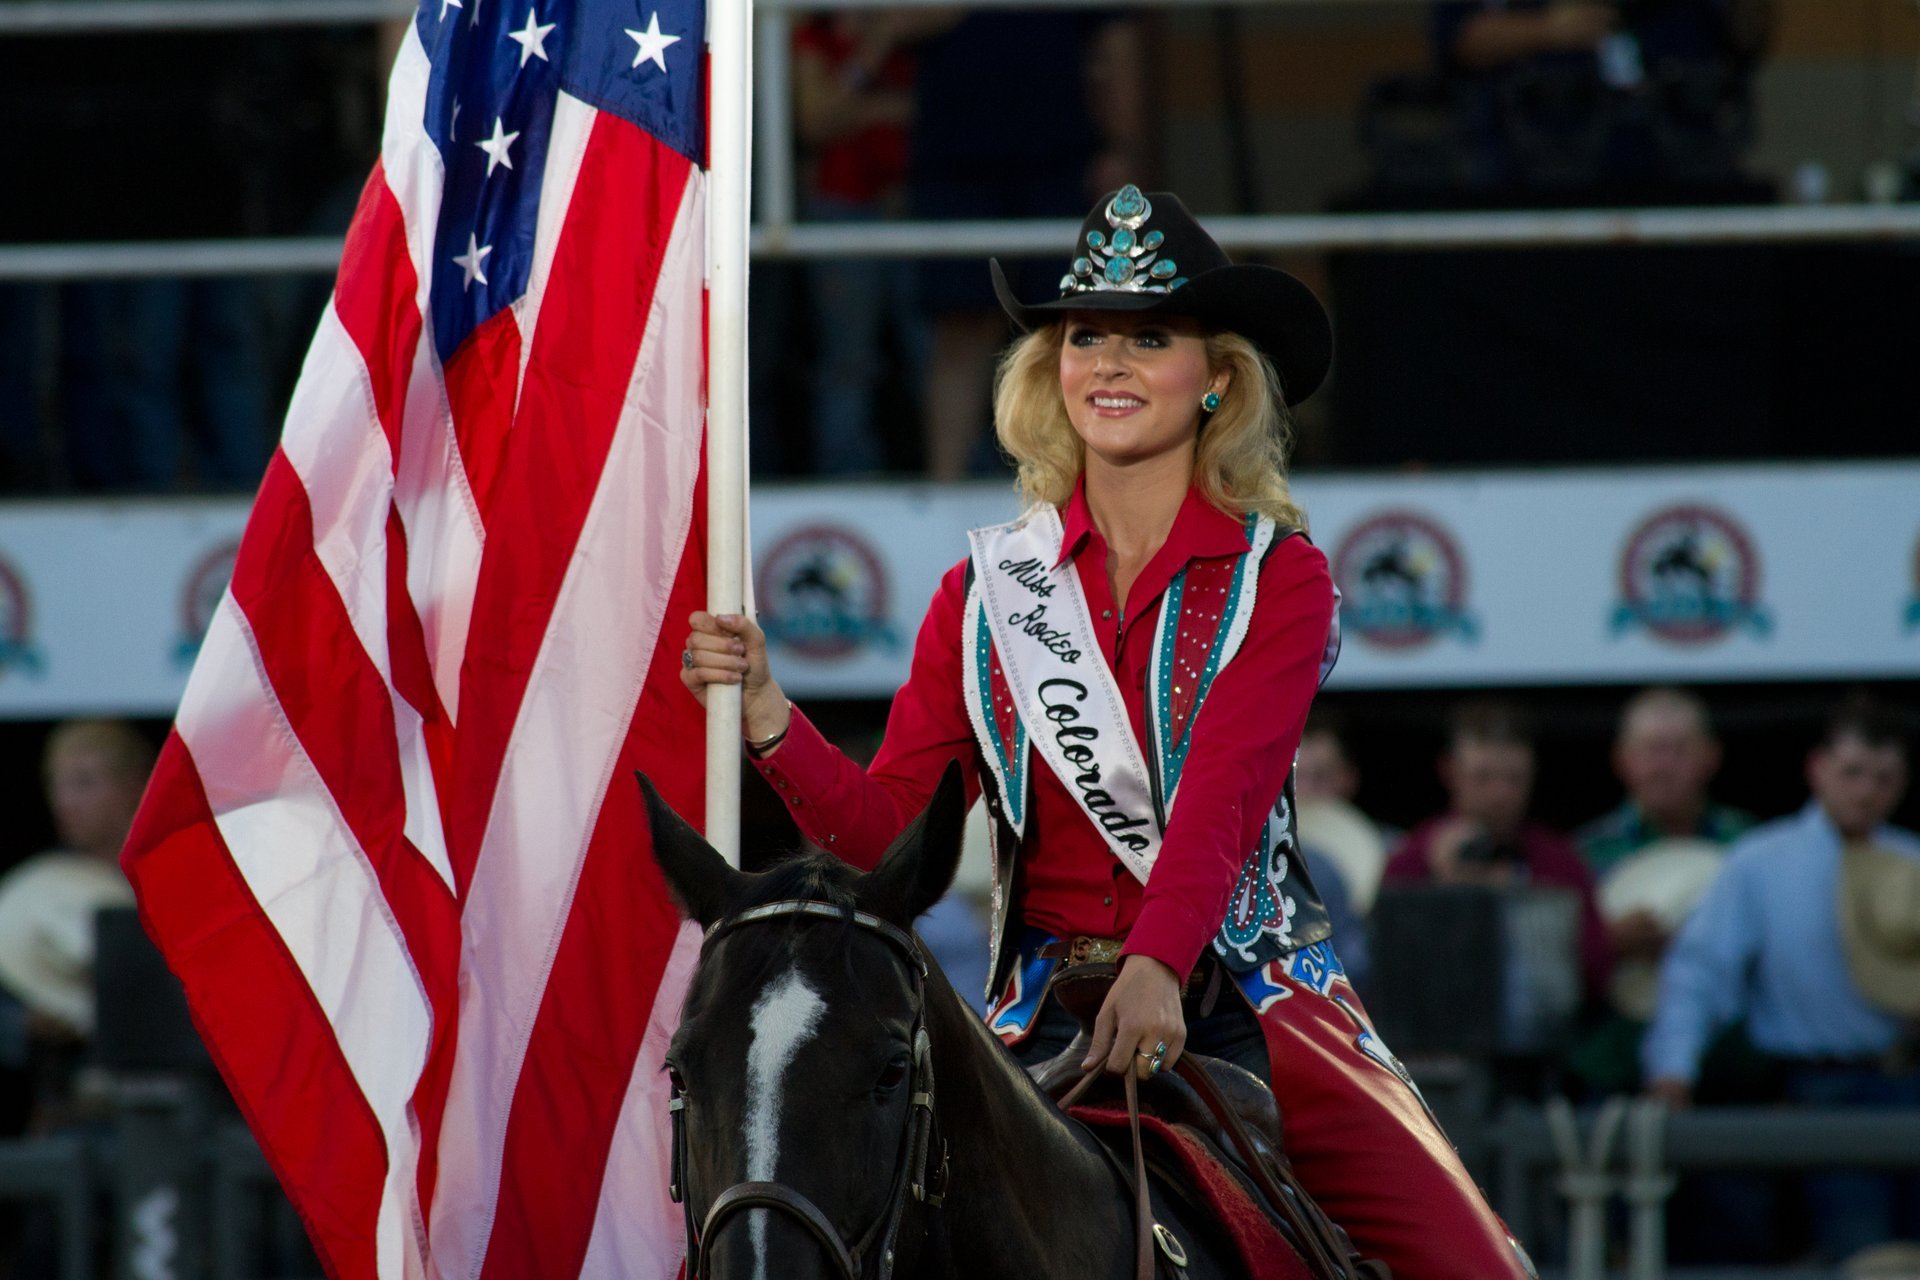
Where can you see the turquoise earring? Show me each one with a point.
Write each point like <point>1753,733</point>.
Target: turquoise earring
<point>1210,401</point>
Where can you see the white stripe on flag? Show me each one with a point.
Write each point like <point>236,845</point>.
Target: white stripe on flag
<point>566,146</point>
<point>301,863</point>
<point>572,723</point>
<point>337,448</point>
<point>445,535</point>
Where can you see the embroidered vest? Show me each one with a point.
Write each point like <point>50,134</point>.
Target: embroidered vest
<point>1036,681</point>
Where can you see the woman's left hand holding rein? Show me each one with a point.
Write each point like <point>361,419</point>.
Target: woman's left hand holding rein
<point>1141,1012</point>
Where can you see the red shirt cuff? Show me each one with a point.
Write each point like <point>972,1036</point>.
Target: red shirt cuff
<point>831,799</point>
<point>1171,934</point>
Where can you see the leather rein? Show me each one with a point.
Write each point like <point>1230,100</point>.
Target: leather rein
<point>912,1175</point>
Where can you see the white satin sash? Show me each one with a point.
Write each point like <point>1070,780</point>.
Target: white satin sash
<point>1069,705</point>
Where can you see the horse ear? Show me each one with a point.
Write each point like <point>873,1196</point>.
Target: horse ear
<point>919,868</point>
<point>699,878</point>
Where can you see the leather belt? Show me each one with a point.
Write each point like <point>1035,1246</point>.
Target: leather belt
<point>1204,983</point>
<point>1080,949</point>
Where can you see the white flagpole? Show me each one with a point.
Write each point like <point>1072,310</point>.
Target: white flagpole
<point>729,160</point>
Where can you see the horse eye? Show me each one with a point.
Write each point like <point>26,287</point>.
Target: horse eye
<point>892,1076</point>
<point>674,1080</point>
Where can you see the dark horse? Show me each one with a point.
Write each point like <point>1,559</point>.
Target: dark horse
<point>800,1069</point>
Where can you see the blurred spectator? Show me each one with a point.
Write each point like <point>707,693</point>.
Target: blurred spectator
<point>1350,938</point>
<point>853,100</point>
<point>95,771</point>
<point>1653,856</point>
<point>1811,932</point>
<point>1021,115</point>
<point>1485,838</point>
<point>1333,830</point>
<point>956,929</point>
<point>187,380</point>
<point>1666,755</point>
<point>1591,92</point>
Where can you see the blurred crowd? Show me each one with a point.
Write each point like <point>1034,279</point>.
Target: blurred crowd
<point>1672,946</point>
<point>862,366</point>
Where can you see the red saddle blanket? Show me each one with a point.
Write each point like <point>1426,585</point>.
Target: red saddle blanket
<point>1264,1251</point>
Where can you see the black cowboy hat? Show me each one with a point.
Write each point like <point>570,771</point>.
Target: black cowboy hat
<point>1142,251</point>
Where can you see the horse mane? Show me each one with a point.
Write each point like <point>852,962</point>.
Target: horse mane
<point>807,877</point>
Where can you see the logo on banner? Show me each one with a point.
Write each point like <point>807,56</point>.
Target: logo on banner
<point>200,595</point>
<point>823,593</point>
<point>1403,582</point>
<point>17,649</point>
<point>1690,574</point>
<point>1913,605</point>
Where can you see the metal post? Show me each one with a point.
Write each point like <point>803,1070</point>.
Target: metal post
<point>160,1208</point>
<point>773,128</point>
<point>1585,1182</point>
<point>1646,1188</point>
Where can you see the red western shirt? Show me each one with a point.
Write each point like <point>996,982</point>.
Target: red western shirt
<point>1068,881</point>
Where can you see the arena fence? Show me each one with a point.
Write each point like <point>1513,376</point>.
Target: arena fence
<point>190,1195</point>
<point>779,234</point>
<point>1628,1152</point>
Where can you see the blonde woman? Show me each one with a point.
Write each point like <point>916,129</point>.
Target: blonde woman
<point>1125,672</point>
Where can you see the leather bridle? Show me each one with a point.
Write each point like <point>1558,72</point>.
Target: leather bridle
<point>912,1175</point>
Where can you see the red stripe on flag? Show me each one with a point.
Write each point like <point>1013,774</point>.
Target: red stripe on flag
<point>341,711</point>
<point>481,380</point>
<point>375,298</point>
<point>599,996</point>
<point>605,268</point>
<point>252,1006</point>
<point>340,708</point>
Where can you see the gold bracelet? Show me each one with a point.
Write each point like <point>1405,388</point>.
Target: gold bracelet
<point>764,745</point>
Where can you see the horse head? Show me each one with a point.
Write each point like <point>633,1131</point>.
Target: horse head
<point>801,1069</point>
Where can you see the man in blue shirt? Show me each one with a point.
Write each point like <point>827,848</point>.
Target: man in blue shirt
<point>1765,943</point>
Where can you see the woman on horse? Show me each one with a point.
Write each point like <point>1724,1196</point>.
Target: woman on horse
<point>1153,629</point>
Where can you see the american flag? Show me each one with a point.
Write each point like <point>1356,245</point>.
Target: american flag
<point>393,848</point>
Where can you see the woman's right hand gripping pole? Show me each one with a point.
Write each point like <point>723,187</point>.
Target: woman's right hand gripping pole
<point>730,648</point>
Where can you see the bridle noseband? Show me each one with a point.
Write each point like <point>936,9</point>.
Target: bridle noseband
<point>911,1174</point>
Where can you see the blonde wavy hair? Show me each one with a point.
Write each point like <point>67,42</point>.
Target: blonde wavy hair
<point>1240,462</point>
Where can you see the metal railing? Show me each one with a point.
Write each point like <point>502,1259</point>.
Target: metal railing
<point>1546,1159</point>
<point>1630,1151</point>
<point>780,235</point>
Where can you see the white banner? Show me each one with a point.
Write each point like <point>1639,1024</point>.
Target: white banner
<point>103,604</point>
<point>1524,578</point>
<point>1570,577</point>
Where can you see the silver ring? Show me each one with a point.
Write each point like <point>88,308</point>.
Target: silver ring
<point>1142,1053</point>
<point>1160,1050</point>
<point>686,659</point>
<point>1153,1067</point>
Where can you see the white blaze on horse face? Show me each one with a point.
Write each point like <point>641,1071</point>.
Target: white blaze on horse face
<point>783,1019</point>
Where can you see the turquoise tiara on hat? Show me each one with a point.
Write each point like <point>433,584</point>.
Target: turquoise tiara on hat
<point>1125,259</point>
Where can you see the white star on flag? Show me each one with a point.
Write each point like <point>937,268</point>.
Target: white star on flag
<point>653,45</point>
<point>476,14</point>
<point>449,4</point>
<point>532,39</point>
<point>472,260</point>
<point>496,147</point>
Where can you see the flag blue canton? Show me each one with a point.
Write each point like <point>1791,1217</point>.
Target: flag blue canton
<point>499,67</point>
